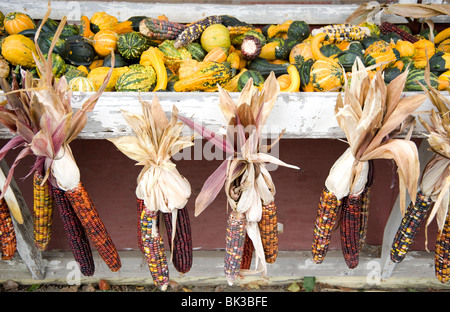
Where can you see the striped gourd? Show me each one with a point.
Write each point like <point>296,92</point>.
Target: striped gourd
<point>8,241</point>
<point>86,211</point>
<point>268,227</point>
<point>208,75</point>
<point>81,84</point>
<point>234,246</point>
<point>182,245</point>
<point>154,251</point>
<point>418,75</point>
<point>78,240</point>
<point>349,225</point>
<point>441,252</point>
<point>43,211</point>
<point>324,224</point>
<point>139,79</point>
<point>132,45</point>
<point>195,30</point>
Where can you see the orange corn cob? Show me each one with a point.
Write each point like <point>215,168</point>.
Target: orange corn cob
<point>324,224</point>
<point>78,240</point>
<point>248,253</point>
<point>154,249</point>
<point>182,249</point>
<point>268,226</point>
<point>441,252</point>
<point>7,233</point>
<point>43,211</point>
<point>87,213</point>
<point>350,229</point>
<point>234,247</point>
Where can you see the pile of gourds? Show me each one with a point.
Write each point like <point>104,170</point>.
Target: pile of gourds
<point>155,54</point>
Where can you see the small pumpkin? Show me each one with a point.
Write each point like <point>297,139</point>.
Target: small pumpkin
<point>105,41</point>
<point>216,35</point>
<point>425,49</point>
<point>326,75</point>
<point>131,45</point>
<point>218,54</point>
<point>81,84</point>
<point>18,50</point>
<point>102,21</point>
<point>405,48</point>
<point>300,53</point>
<point>15,22</point>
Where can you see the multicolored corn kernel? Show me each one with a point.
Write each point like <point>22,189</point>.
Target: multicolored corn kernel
<point>387,27</point>
<point>87,214</point>
<point>42,210</point>
<point>78,240</point>
<point>350,229</point>
<point>345,32</point>
<point>234,245</point>
<point>154,251</point>
<point>193,31</point>
<point>268,227</point>
<point>441,252</point>
<point>182,245</point>
<point>248,253</point>
<point>8,241</point>
<point>140,208</point>
<point>325,222</point>
<point>157,29</point>
<point>364,220</point>
<point>410,225</point>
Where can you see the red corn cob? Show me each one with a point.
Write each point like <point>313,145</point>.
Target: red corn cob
<point>441,252</point>
<point>411,222</point>
<point>248,253</point>
<point>78,240</point>
<point>235,240</point>
<point>268,226</point>
<point>387,27</point>
<point>325,222</point>
<point>7,233</point>
<point>182,249</point>
<point>140,208</point>
<point>157,29</point>
<point>154,249</point>
<point>87,213</point>
<point>350,229</point>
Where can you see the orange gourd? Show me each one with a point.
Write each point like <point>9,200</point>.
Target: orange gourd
<point>105,41</point>
<point>15,22</point>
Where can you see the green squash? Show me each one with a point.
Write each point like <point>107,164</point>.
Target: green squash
<point>298,30</point>
<point>196,50</point>
<point>369,40</point>
<point>136,79</point>
<point>81,51</point>
<point>330,49</point>
<point>258,79</point>
<point>390,73</point>
<point>347,58</point>
<point>73,72</point>
<point>415,75</point>
<point>119,61</point>
<point>356,46</point>
<point>440,62</point>
<point>132,45</point>
<point>58,65</point>
<point>392,36</point>
<point>50,25</point>
<point>70,30</point>
<point>61,48</point>
<point>264,67</point>
<point>305,75</point>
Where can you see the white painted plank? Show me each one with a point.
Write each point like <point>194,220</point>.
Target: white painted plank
<point>254,14</point>
<point>302,114</point>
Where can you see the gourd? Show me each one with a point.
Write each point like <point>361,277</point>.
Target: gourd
<point>73,72</point>
<point>119,61</point>
<point>58,65</point>
<point>279,49</point>
<point>173,57</point>
<point>444,46</point>
<point>296,30</point>
<point>136,79</point>
<point>442,36</point>
<point>405,48</point>
<point>425,49</point>
<point>294,76</point>
<point>215,35</point>
<point>330,50</point>
<point>440,62</point>
<point>300,53</point>
<point>4,68</point>
<point>49,25</point>
<point>198,28</point>
<point>231,85</point>
<point>374,29</point>
<point>196,50</point>
<point>85,27</point>
<point>218,54</point>
<point>326,75</point>
<point>102,21</point>
<point>155,58</point>
<point>205,78</point>
<point>105,41</point>
<point>2,25</point>
<point>258,79</point>
<point>98,75</point>
<point>418,75</point>
<point>96,63</point>
<point>132,45</point>
<point>81,84</point>
<point>70,30</point>
<point>391,73</point>
<point>18,50</point>
<point>237,61</point>
<point>305,76</point>
<point>347,58</point>
<point>264,67</point>
<point>382,58</point>
<point>15,22</point>
<point>378,46</point>
<point>81,51</point>
<point>61,47</point>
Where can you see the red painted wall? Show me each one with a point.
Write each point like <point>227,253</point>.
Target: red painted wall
<point>110,178</point>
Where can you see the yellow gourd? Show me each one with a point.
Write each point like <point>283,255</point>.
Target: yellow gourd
<point>101,20</point>
<point>405,48</point>
<point>300,53</point>
<point>18,50</point>
<point>424,49</point>
<point>155,58</point>
<point>294,80</point>
<point>97,75</point>
<point>105,41</point>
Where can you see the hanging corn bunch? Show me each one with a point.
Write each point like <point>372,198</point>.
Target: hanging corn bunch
<point>432,198</point>
<point>161,190</point>
<point>248,185</point>
<point>41,116</point>
<point>371,115</point>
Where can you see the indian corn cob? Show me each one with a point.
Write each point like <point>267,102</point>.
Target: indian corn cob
<point>268,227</point>
<point>350,229</point>
<point>8,240</point>
<point>182,244</point>
<point>365,203</point>
<point>343,32</point>
<point>158,29</point>
<point>248,253</point>
<point>324,225</point>
<point>140,208</point>
<point>193,31</point>
<point>87,213</point>
<point>387,27</point>
<point>154,251</point>
<point>413,219</point>
<point>441,252</point>
<point>234,245</point>
<point>43,211</point>
<point>78,240</point>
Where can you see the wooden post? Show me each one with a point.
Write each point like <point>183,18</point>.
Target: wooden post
<point>26,248</point>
